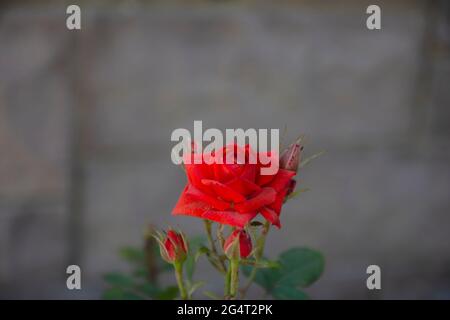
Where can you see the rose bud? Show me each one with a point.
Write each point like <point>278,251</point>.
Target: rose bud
<point>238,239</point>
<point>290,158</point>
<point>173,246</point>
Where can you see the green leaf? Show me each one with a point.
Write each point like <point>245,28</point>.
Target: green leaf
<point>263,263</point>
<point>140,273</point>
<point>149,290</point>
<point>196,242</point>
<point>266,278</point>
<point>288,293</point>
<point>118,280</point>
<point>169,293</point>
<point>113,294</point>
<point>300,267</point>
<point>132,255</point>
<point>201,251</point>
<point>246,270</point>
<point>120,294</point>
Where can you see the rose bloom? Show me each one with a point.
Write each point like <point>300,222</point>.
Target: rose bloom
<point>233,194</point>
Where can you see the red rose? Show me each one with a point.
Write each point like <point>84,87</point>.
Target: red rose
<point>234,193</point>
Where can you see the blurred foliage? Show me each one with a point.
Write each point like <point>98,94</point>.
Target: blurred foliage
<point>142,282</point>
<point>284,278</point>
<point>295,269</point>
<point>146,266</point>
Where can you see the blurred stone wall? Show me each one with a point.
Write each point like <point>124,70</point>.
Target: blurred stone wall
<point>86,118</point>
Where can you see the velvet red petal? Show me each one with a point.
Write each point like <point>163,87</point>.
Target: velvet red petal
<point>243,186</point>
<point>278,203</point>
<point>249,172</point>
<point>187,205</point>
<point>196,172</point>
<point>245,244</point>
<point>271,216</point>
<point>265,197</point>
<point>170,248</point>
<point>223,191</point>
<point>263,180</point>
<point>223,172</point>
<point>231,218</point>
<point>281,180</point>
<point>208,199</point>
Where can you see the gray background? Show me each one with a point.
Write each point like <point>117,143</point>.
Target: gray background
<point>86,118</point>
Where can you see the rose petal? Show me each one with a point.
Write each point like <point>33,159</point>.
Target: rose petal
<point>281,180</point>
<point>223,191</point>
<point>170,248</point>
<point>265,197</point>
<point>187,205</point>
<point>225,172</point>
<point>245,244</point>
<point>243,186</point>
<point>278,203</point>
<point>206,198</point>
<point>196,172</point>
<point>231,218</point>
<point>263,180</point>
<point>249,172</point>
<point>271,216</point>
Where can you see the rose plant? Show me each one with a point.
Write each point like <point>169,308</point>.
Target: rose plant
<point>238,205</point>
<point>234,195</point>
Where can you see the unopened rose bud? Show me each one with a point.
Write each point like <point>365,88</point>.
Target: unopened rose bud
<point>173,247</point>
<point>290,158</point>
<point>238,244</point>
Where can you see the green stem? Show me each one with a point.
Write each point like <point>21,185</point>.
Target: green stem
<point>220,236</point>
<point>208,228</point>
<point>234,281</point>
<point>179,275</point>
<point>227,283</point>
<point>209,234</point>
<point>260,244</point>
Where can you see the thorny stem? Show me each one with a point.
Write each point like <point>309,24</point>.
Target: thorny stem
<point>208,228</point>
<point>179,275</point>
<point>260,244</point>
<point>220,236</point>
